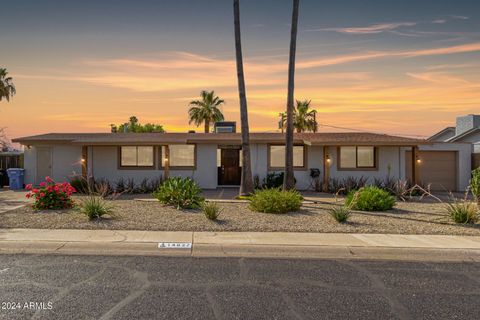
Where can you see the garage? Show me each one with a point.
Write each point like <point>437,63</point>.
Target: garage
<point>438,168</point>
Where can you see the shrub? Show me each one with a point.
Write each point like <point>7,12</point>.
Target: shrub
<point>475,184</point>
<point>95,207</point>
<point>80,184</point>
<point>120,186</point>
<point>211,210</point>
<point>51,195</point>
<point>463,211</point>
<point>346,185</point>
<point>370,199</point>
<point>180,193</point>
<point>273,180</point>
<point>341,214</point>
<point>275,201</point>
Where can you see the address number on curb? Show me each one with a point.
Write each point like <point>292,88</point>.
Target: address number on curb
<point>174,245</point>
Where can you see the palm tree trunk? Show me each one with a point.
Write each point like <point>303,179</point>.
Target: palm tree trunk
<point>246,183</point>
<point>207,126</point>
<point>289,179</point>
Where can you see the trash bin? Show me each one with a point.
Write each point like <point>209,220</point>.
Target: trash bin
<point>15,177</point>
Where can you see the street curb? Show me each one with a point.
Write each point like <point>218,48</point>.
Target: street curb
<point>240,251</point>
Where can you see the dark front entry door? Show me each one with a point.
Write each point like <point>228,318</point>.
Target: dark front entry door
<point>229,170</point>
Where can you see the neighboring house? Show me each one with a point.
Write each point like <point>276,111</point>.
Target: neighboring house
<point>467,130</point>
<point>213,159</point>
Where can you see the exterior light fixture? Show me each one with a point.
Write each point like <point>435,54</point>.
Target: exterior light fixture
<point>327,157</point>
<point>83,160</point>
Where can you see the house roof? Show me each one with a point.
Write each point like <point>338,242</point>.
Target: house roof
<point>342,138</point>
<point>459,137</point>
<point>447,129</point>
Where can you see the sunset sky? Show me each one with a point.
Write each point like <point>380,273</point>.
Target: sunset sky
<point>399,67</point>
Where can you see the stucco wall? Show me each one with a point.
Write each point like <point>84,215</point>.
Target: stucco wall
<point>104,164</point>
<point>66,161</point>
<point>30,164</point>
<point>389,163</point>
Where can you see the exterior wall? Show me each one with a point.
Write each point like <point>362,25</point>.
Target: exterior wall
<point>474,139</point>
<point>30,164</point>
<point>389,163</point>
<point>103,163</point>
<point>66,162</point>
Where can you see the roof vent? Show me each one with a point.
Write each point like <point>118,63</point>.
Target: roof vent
<point>225,127</point>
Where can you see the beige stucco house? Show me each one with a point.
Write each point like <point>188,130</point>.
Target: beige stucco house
<point>214,159</point>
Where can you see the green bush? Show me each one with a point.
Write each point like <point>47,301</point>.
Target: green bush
<point>80,184</point>
<point>95,207</point>
<point>475,184</point>
<point>180,193</point>
<point>211,210</point>
<point>275,201</point>
<point>370,199</point>
<point>463,211</point>
<point>341,214</point>
<point>274,180</point>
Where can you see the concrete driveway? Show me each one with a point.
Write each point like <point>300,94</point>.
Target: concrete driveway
<point>11,200</point>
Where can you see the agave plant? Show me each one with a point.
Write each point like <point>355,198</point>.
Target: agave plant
<point>182,193</point>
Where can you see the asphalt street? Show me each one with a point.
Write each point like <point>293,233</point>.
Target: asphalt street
<point>110,287</point>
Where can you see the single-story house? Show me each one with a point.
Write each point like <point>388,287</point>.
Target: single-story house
<point>214,159</point>
<point>466,130</point>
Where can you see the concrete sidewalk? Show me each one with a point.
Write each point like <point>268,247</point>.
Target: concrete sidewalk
<point>248,244</point>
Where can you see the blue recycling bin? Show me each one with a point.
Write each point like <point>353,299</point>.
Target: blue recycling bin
<point>15,178</point>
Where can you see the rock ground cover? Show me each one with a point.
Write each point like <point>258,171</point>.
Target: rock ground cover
<point>415,217</point>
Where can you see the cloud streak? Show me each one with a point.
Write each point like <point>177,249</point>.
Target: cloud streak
<point>372,29</point>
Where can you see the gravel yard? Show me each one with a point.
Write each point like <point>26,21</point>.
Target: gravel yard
<point>423,217</point>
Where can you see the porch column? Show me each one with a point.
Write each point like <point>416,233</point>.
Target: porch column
<point>84,161</point>
<point>166,169</point>
<point>414,165</point>
<point>326,168</point>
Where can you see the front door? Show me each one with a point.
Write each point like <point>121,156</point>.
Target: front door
<point>229,170</point>
<point>44,163</point>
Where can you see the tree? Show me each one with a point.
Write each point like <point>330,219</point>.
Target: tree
<point>7,88</point>
<point>304,118</point>
<point>4,141</point>
<point>134,126</point>
<point>206,110</point>
<point>289,179</point>
<point>246,184</point>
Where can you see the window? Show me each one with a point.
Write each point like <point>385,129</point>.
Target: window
<point>136,156</point>
<point>357,157</point>
<point>181,155</point>
<point>277,156</point>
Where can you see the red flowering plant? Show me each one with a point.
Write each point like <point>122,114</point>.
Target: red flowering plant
<point>51,195</point>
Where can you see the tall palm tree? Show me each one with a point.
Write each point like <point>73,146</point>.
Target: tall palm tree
<point>246,184</point>
<point>289,179</point>
<point>7,88</point>
<point>304,118</point>
<point>206,110</point>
